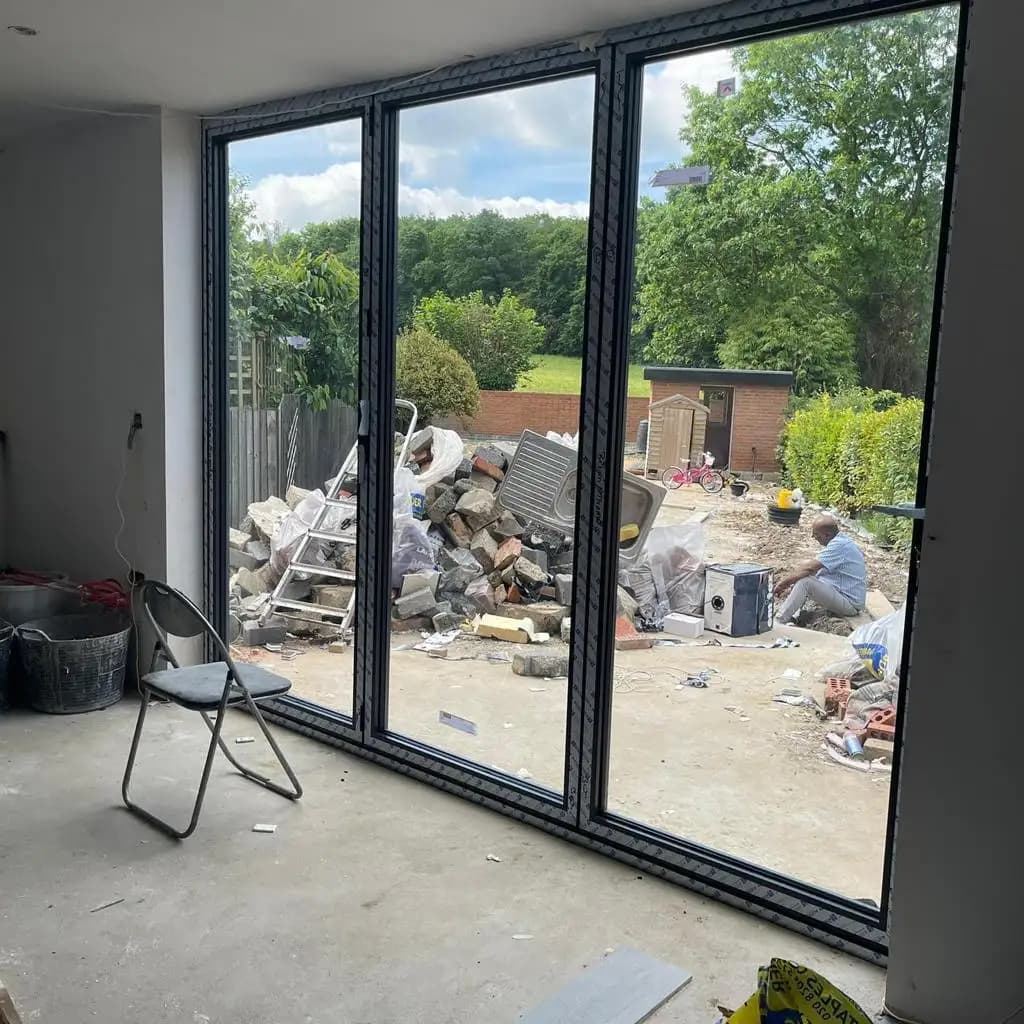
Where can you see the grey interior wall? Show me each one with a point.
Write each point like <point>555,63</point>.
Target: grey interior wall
<point>957,897</point>
<point>83,344</point>
<point>182,355</point>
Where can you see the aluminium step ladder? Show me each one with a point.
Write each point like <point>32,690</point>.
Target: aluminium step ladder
<point>322,529</point>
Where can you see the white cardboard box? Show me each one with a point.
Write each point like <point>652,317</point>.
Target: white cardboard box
<point>684,625</point>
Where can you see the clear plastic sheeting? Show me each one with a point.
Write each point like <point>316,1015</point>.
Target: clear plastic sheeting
<point>446,453</point>
<point>286,541</point>
<point>411,547</point>
<point>669,575</point>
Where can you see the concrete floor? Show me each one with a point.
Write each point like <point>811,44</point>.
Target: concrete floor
<point>373,902</point>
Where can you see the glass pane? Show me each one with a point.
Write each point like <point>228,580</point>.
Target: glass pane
<point>791,194</point>
<point>293,352</point>
<point>492,248</point>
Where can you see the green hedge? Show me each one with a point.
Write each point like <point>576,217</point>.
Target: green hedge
<point>856,449</point>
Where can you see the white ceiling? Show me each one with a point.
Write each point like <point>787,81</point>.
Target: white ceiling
<point>208,55</point>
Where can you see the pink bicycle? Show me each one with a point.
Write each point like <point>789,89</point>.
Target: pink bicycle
<point>710,479</point>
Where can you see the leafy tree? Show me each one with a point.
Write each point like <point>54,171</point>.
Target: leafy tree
<point>557,284</point>
<point>827,174</point>
<point>434,376</point>
<point>497,339</point>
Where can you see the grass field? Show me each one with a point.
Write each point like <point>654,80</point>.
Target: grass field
<point>560,375</point>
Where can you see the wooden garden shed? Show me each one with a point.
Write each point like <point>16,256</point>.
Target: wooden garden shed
<point>676,432</point>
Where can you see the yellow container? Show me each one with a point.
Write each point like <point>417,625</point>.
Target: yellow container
<point>785,499</point>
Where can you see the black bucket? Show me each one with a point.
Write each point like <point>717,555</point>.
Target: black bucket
<point>6,640</point>
<point>74,663</point>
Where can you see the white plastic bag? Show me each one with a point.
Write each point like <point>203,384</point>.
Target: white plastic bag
<point>286,541</point>
<point>879,644</point>
<point>411,549</point>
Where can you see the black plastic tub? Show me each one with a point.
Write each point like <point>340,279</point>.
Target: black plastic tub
<point>6,641</point>
<point>74,663</point>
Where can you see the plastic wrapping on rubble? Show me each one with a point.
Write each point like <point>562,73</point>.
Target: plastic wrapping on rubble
<point>446,453</point>
<point>879,644</point>
<point>569,440</point>
<point>669,575</point>
<point>872,697</point>
<point>789,993</point>
<point>285,543</point>
<point>411,547</point>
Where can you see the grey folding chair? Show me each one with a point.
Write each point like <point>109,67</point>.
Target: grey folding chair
<point>207,688</point>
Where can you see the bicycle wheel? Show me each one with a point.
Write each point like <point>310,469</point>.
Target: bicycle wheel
<point>712,481</point>
<point>672,478</point>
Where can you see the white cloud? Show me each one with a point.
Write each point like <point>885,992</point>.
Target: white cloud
<point>293,200</point>
<point>664,107</point>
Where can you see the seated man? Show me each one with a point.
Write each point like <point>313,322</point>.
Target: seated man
<point>836,580</point>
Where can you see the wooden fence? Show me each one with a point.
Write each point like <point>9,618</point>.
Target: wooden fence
<point>268,449</point>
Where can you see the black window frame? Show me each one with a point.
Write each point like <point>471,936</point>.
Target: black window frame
<point>616,59</point>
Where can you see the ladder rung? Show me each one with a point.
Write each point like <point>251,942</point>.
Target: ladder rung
<point>323,570</point>
<point>303,606</point>
<point>337,538</point>
<point>341,503</point>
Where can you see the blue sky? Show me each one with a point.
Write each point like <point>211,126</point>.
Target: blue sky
<point>518,151</point>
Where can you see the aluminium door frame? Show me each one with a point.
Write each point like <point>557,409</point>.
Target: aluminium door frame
<point>578,814</point>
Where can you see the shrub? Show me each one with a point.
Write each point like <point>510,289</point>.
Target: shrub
<point>855,450</point>
<point>434,376</point>
<point>497,339</point>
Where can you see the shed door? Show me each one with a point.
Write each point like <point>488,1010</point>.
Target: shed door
<point>719,435</point>
<point>675,437</point>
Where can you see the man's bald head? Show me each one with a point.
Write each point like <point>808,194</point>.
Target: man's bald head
<point>823,529</point>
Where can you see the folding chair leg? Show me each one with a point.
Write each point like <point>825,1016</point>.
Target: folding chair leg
<point>200,795</point>
<point>296,791</point>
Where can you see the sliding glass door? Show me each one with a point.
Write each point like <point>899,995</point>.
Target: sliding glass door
<point>566,423</point>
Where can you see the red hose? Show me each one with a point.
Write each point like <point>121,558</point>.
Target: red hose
<point>107,592</point>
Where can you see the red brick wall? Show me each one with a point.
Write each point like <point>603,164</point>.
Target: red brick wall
<point>509,413</point>
<point>758,415</point>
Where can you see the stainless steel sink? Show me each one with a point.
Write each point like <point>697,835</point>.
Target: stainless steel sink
<point>540,484</point>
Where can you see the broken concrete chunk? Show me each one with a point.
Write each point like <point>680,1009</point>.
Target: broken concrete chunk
<point>489,453</point>
<point>259,549</point>
<point>484,549</point>
<point>333,595</point>
<point>458,531</point>
<point>258,581</point>
<point>462,486</point>
<point>414,624</point>
<point>452,558</point>
<point>544,665</point>
<point>516,631</point>
<point>457,601</point>
<point>483,482</point>
<point>242,559</point>
<point>433,492</point>
<point>421,440</point>
<point>536,555</point>
<point>443,621</point>
<point>443,505</point>
<point>508,575</point>
<point>419,602</point>
<point>425,579</point>
<point>563,584</point>
<point>267,516</point>
<point>464,468</point>
<point>507,525</point>
<point>507,553</point>
<point>500,594</point>
<point>529,572</point>
<point>294,495</point>
<point>255,635</point>
<point>237,539</point>
<point>561,562</point>
<point>481,593</point>
<point>478,508</point>
<point>546,616</point>
<point>566,631</point>
<point>537,535</point>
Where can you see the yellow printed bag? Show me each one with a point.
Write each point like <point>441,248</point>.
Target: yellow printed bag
<point>789,993</point>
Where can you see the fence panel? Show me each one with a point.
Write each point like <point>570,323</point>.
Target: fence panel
<point>268,449</point>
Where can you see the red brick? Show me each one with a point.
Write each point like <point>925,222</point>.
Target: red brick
<point>837,695</point>
<point>507,553</point>
<point>882,724</point>
<point>487,468</point>
<point>627,638</point>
